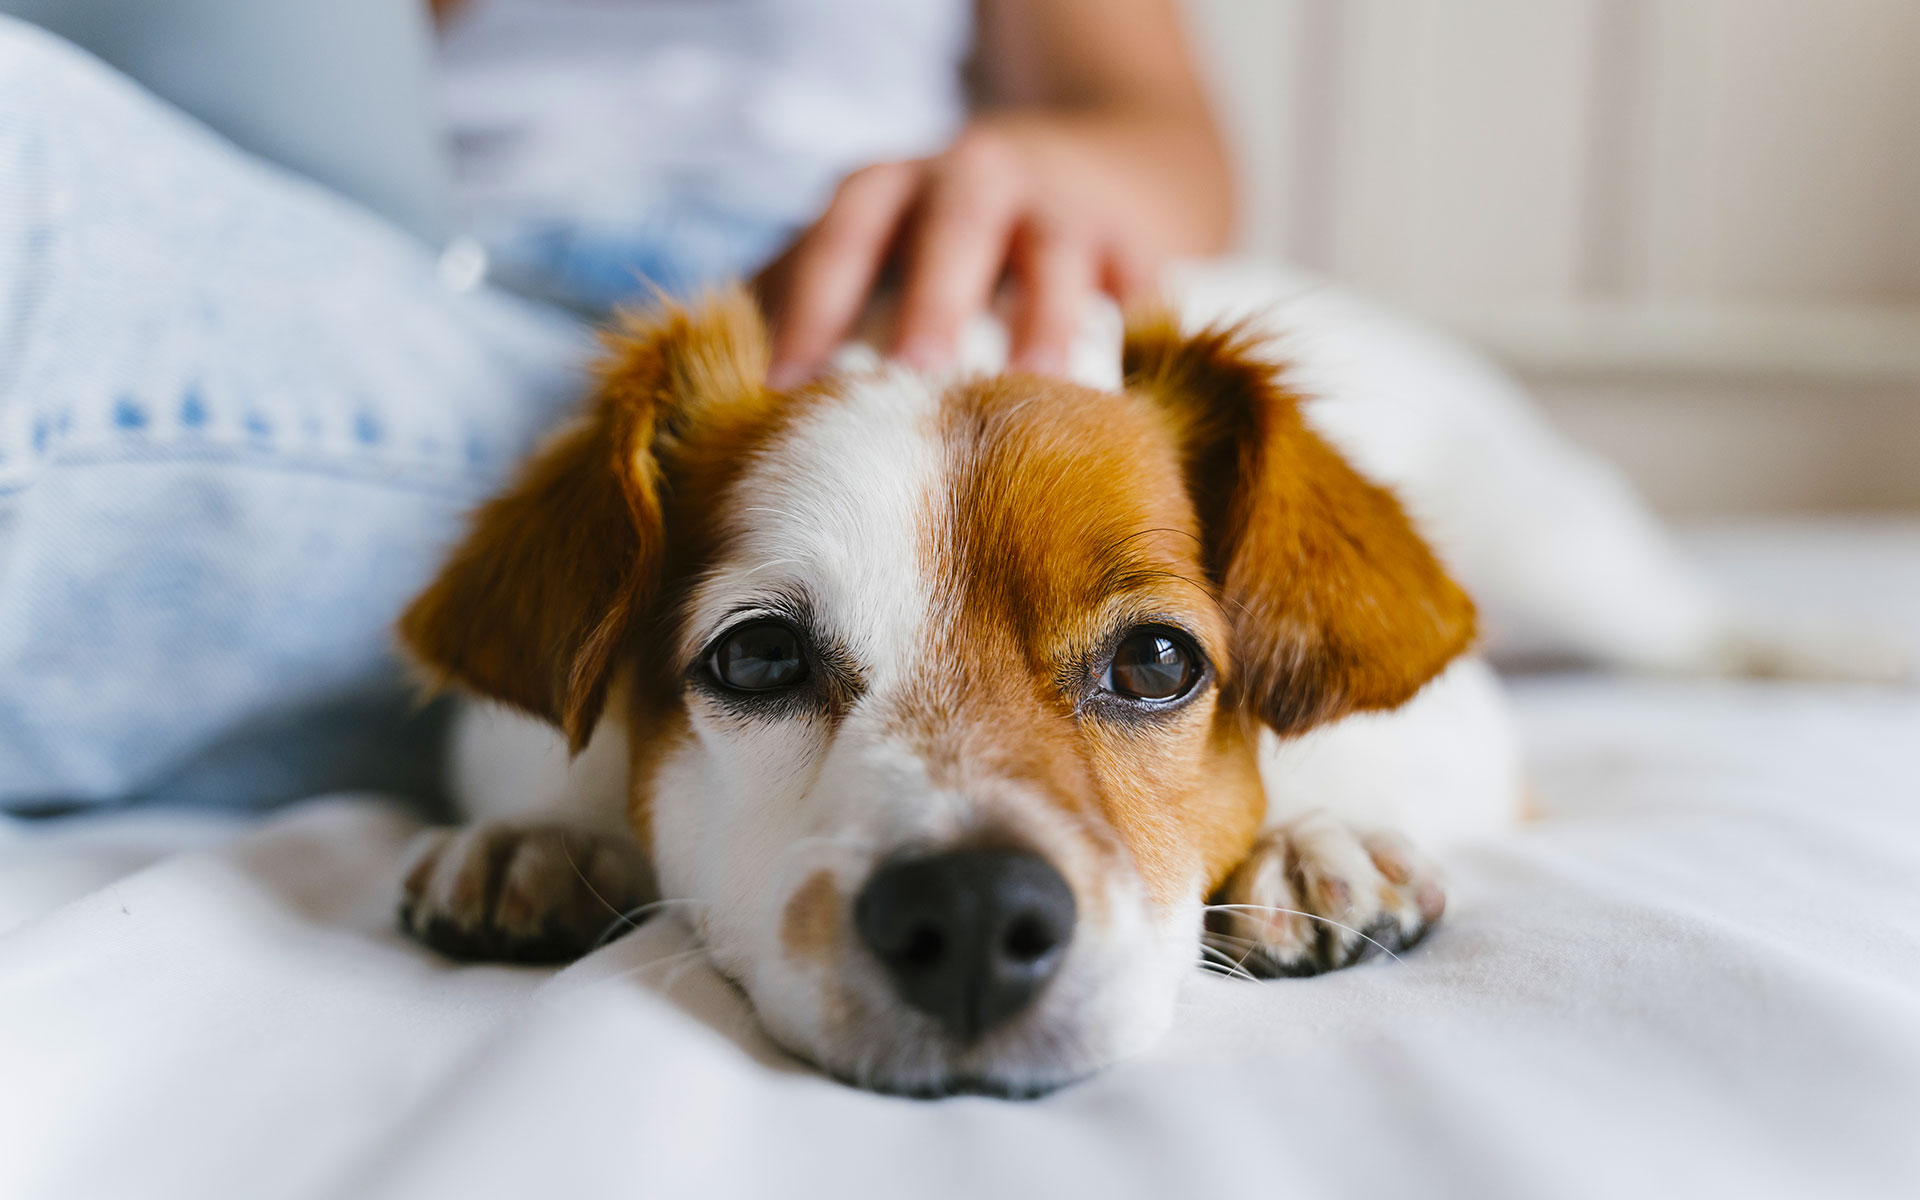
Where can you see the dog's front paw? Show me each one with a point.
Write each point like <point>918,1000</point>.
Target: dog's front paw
<point>512,893</point>
<point>1316,895</point>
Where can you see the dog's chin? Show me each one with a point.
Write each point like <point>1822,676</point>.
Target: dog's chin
<point>864,1037</point>
<point>1023,1062</point>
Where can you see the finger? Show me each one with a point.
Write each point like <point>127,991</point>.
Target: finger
<point>771,281</point>
<point>959,248</point>
<point>1056,275</point>
<point>1130,276</point>
<point>819,288</point>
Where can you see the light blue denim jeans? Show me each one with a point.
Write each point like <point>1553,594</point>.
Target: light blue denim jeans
<point>240,422</point>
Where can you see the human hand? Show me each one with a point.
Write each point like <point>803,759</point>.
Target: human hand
<point>1045,202</point>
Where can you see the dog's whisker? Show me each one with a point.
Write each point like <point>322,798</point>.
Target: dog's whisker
<point>1222,941</point>
<point>605,903</point>
<point>1214,935</point>
<point>1269,908</point>
<point>1247,947</point>
<point>1215,969</point>
<point>630,916</point>
<point>688,961</point>
<point>678,957</point>
<point>1245,953</point>
<point>1228,966</point>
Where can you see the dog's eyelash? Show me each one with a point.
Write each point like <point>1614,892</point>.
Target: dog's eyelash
<point>775,610</point>
<point>1085,675</point>
<point>834,681</point>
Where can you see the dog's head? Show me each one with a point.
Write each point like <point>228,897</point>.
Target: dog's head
<point>943,698</point>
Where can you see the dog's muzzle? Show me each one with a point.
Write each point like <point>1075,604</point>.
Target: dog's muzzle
<point>968,937</point>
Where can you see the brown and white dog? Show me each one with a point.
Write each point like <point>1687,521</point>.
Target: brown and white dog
<point>954,712</point>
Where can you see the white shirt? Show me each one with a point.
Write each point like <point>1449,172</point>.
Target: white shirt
<point>595,112</point>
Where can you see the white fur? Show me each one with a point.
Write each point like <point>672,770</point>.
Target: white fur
<point>1442,769</point>
<point>838,508</point>
<point>504,765</point>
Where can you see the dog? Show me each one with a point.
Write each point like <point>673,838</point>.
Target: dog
<point>962,714</point>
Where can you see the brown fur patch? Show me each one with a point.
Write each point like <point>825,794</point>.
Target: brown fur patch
<point>1338,605</point>
<point>811,923</point>
<point>656,725</point>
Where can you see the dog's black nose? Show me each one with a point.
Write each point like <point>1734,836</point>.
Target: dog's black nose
<point>969,936</point>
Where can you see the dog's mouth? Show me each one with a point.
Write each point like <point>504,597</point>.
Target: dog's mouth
<point>972,971</point>
<point>991,1087</point>
<point>895,1051</point>
<point>937,974</point>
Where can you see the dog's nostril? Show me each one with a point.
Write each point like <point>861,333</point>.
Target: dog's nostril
<point>1027,939</point>
<point>924,947</point>
<point>968,937</point>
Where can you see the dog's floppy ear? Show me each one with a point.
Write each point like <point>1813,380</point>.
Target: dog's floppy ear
<point>533,605</point>
<point>1337,604</point>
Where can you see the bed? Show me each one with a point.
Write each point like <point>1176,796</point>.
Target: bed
<point>1698,974</point>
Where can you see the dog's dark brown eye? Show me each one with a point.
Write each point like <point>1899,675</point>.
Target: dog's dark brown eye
<point>1153,664</point>
<point>759,658</point>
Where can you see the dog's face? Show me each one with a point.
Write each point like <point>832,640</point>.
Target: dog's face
<point>964,620</point>
<point>943,698</point>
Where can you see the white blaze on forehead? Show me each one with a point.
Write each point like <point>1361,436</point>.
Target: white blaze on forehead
<point>840,504</point>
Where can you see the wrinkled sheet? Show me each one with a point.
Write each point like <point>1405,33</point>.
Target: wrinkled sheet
<point>1698,974</point>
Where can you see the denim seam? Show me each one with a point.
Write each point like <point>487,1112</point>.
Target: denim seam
<point>447,483</point>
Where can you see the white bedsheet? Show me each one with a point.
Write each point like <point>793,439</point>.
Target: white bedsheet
<point>1699,975</point>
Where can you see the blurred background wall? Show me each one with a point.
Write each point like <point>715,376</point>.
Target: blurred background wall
<point>1692,226</point>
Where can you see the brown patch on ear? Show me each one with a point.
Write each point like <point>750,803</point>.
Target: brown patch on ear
<point>1337,604</point>
<point>534,604</point>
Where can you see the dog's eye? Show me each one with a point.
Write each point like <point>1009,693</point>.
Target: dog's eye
<point>1153,663</point>
<point>759,657</point>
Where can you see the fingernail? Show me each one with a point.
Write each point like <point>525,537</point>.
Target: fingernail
<point>923,353</point>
